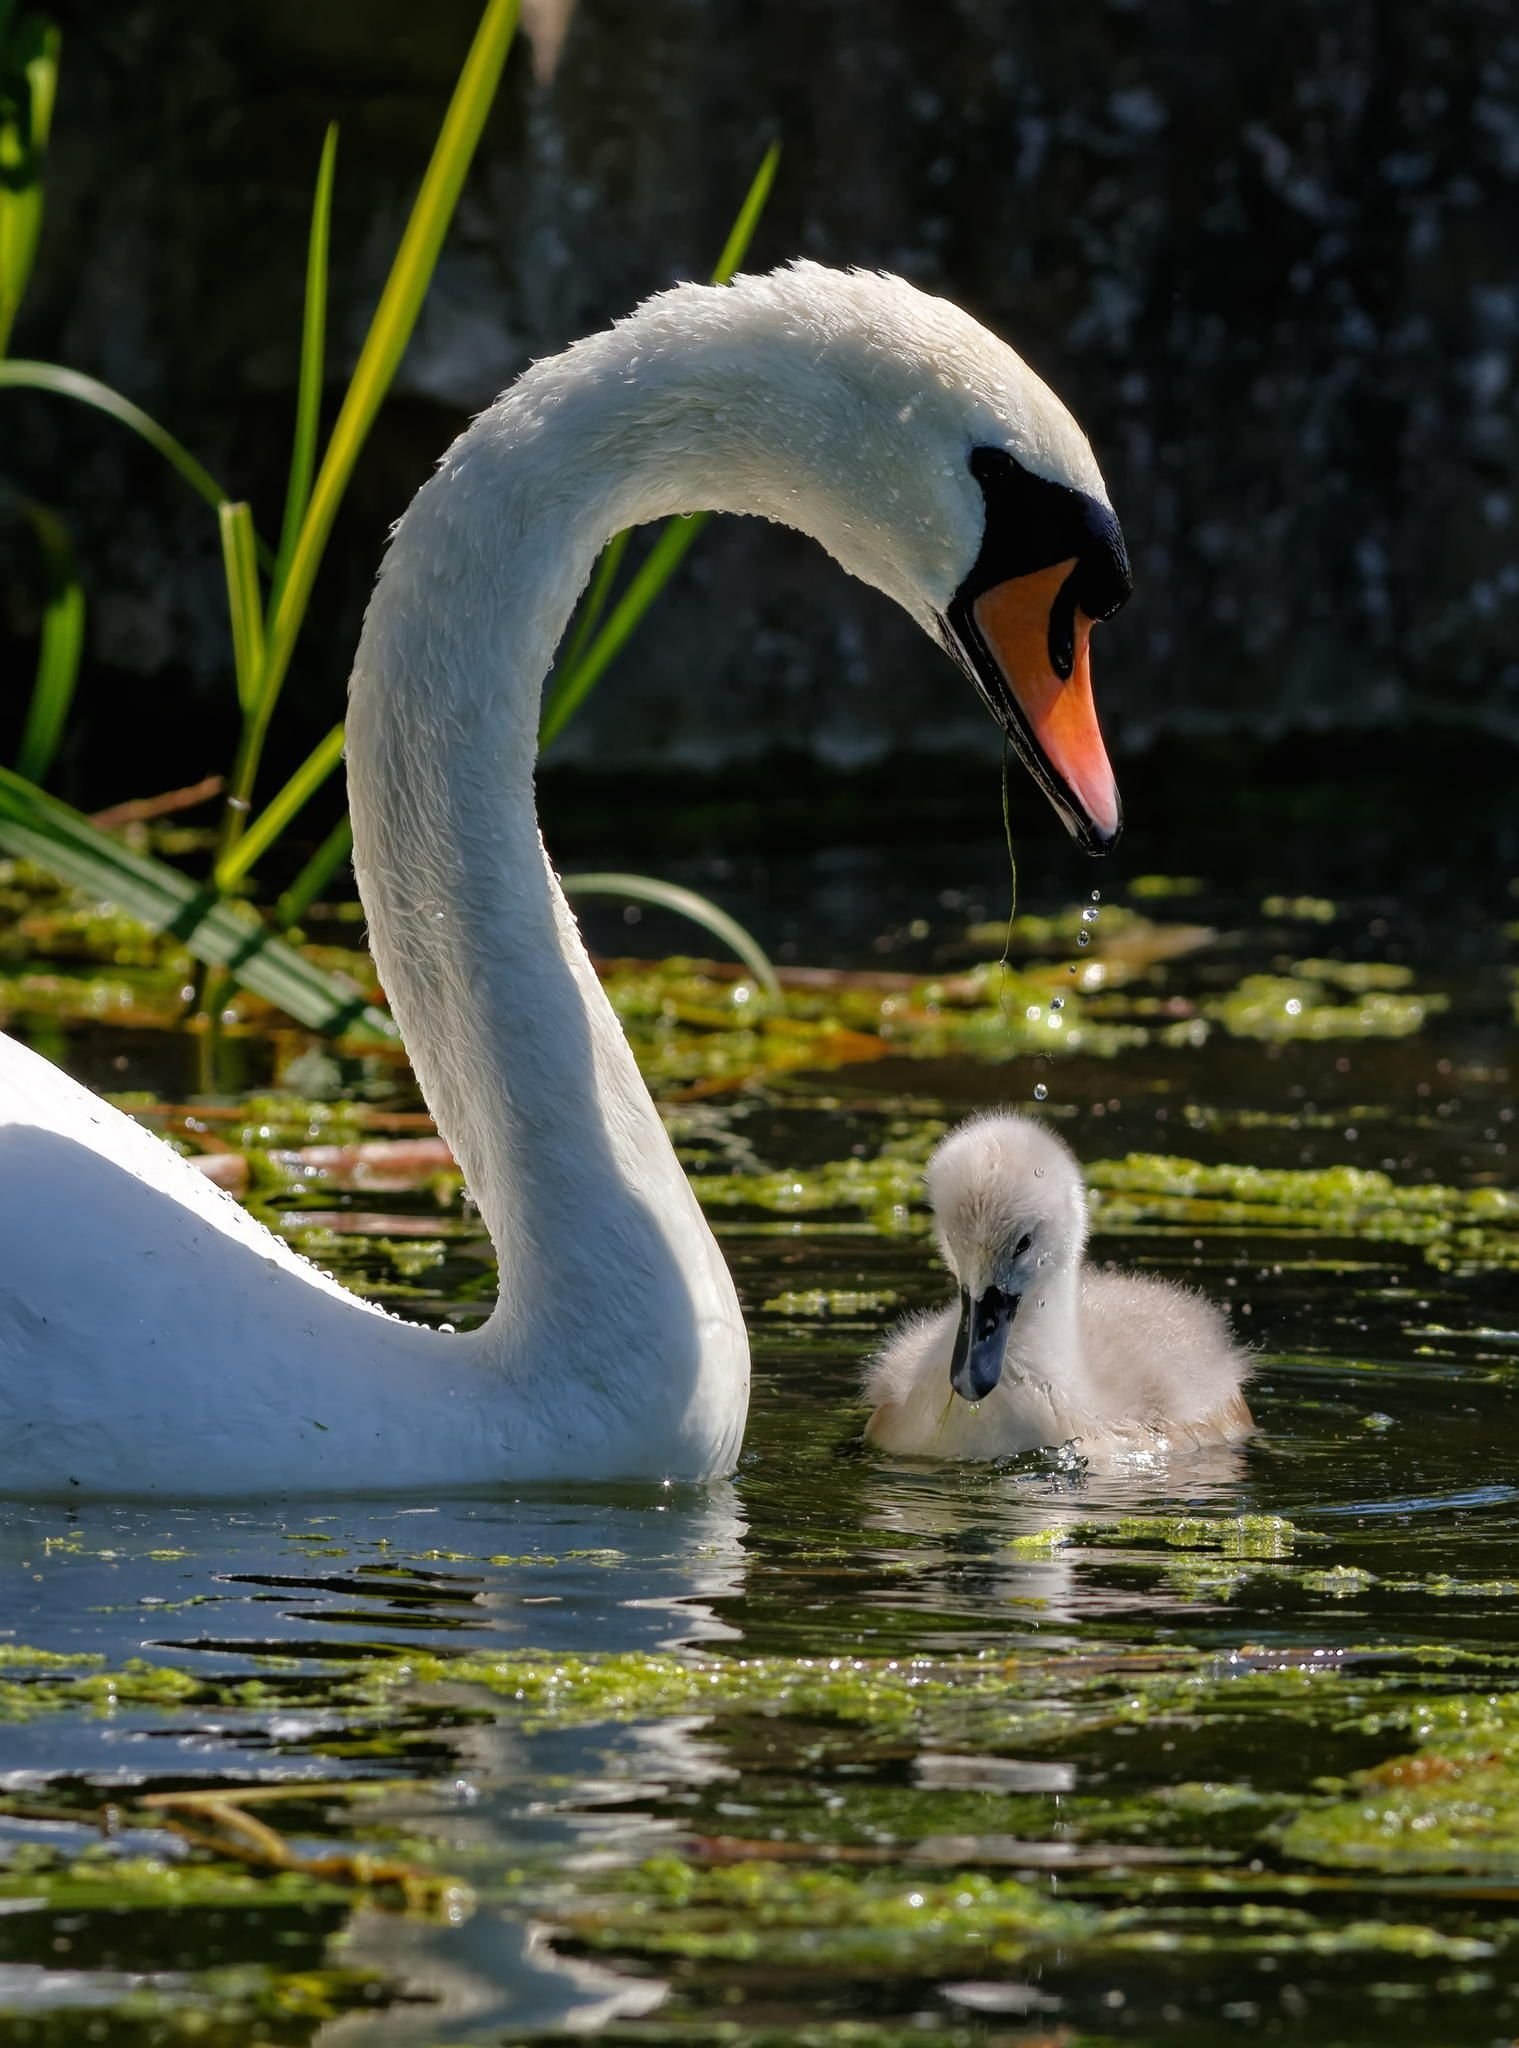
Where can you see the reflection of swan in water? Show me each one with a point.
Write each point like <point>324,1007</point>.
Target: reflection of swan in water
<point>677,1563</point>
<point>153,1337</point>
<point>1042,1350</point>
<point>490,1972</point>
<point>994,1553</point>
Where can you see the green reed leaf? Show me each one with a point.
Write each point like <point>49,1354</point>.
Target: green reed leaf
<point>685,903</point>
<point>21,375</point>
<point>308,403</point>
<point>28,91</point>
<point>35,826</point>
<point>276,815</point>
<point>389,332</point>
<point>60,644</point>
<point>244,611</point>
<point>588,653</point>
<point>315,875</point>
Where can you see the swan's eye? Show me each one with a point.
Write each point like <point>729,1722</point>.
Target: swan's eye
<point>1023,1244</point>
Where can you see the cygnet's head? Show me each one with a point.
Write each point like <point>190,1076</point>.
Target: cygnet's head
<point>1010,1206</point>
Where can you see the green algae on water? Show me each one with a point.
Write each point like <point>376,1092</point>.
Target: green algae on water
<point>1453,1225</point>
<point>1278,1007</point>
<point>1453,1804</point>
<point>817,1304</point>
<point>811,1918</point>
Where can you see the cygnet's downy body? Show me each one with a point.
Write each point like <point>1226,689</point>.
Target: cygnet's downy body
<point>1041,1350</point>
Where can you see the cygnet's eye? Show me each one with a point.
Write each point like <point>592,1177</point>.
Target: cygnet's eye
<point>1023,1244</point>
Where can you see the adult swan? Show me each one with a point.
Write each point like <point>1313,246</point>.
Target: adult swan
<point>153,1338</point>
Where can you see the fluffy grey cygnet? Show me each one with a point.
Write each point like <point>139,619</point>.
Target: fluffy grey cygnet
<point>1041,1350</point>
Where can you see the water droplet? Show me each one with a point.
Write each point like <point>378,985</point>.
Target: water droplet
<point>1039,1173</point>
<point>1083,939</point>
<point>1057,1002</point>
<point>1040,1091</point>
<point>1096,895</point>
<point>1089,915</point>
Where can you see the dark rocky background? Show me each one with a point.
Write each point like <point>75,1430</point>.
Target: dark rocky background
<point>1268,255</point>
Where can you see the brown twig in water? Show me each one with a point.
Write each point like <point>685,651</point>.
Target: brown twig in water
<point>219,1824</point>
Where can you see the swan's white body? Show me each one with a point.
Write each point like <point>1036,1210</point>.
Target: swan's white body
<point>1118,1364</point>
<point>153,1338</point>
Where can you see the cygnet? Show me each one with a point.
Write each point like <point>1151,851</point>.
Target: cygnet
<point>1042,1350</point>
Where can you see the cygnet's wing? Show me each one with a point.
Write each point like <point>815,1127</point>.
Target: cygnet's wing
<point>1162,1353</point>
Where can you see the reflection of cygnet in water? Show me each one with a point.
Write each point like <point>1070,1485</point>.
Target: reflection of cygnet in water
<point>1042,1350</point>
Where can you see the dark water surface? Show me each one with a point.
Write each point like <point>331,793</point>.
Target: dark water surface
<point>851,1750</point>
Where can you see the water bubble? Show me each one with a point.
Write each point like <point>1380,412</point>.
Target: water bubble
<point>1040,1091</point>
<point>1083,939</point>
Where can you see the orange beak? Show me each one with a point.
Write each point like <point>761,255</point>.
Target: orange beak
<point>1055,721</point>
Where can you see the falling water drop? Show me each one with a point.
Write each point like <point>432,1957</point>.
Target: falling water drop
<point>1040,1091</point>
<point>1083,939</point>
<point>1089,915</point>
<point>1096,895</point>
<point>1057,1002</point>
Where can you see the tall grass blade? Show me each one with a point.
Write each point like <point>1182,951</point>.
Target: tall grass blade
<point>308,402</point>
<point>587,655</point>
<point>594,603</point>
<point>685,903</point>
<point>244,609</point>
<point>276,815</point>
<point>313,878</point>
<point>30,84</point>
<point>60,645</point>
<point>20,375</point>
<point>384,345</point>
<point>654,572</point>
<point>37,827</point>
<point>741,234</point>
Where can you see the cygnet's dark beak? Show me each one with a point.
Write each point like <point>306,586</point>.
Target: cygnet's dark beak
<point>981,1342</point>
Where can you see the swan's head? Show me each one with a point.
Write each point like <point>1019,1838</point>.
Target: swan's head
<point>1011,1211</point>
<point>929,459</point>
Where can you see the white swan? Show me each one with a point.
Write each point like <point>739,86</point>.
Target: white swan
<point>1041,1350</point>
<point>153,1338</point>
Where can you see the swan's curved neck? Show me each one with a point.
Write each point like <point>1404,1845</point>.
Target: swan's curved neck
<point>516,1048</point>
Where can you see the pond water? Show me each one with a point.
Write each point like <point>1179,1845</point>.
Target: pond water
<point>848,1750</point>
